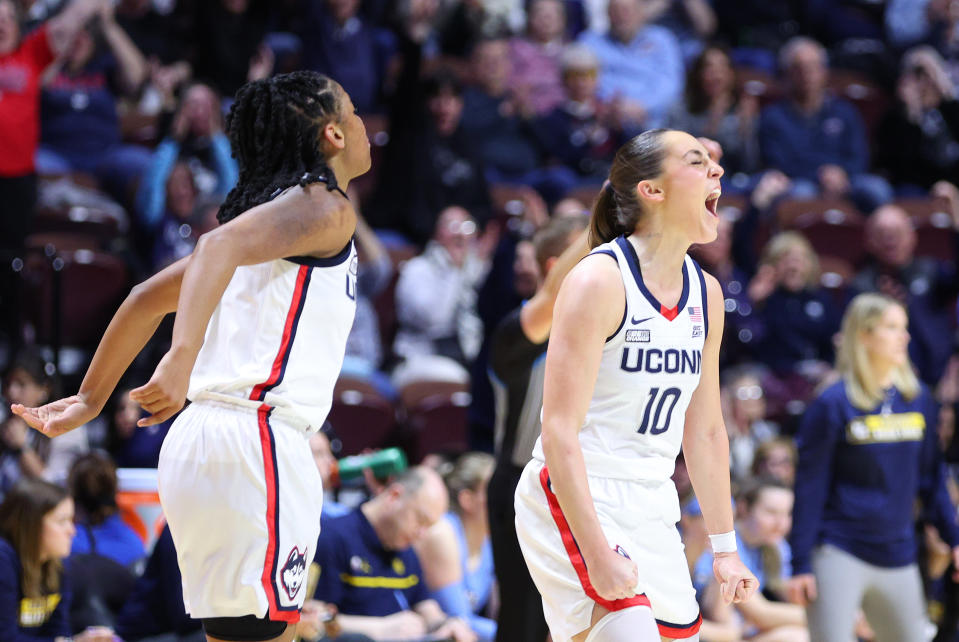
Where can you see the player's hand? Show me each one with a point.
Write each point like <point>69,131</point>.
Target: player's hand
<point>456,629</point>
<point>801,589</point>
<point>613,576</point>
<point>736,582</point>
<point>165,393</point>
<point>403,625</point>
<point>57,417</point>
<point>95,634</point>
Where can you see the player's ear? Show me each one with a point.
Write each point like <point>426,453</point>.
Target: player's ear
<point>333,136</point>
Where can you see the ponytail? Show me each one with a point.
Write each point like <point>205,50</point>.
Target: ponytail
<point>617,209</point>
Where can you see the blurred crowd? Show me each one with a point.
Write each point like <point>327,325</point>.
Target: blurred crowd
<point>838,122</point>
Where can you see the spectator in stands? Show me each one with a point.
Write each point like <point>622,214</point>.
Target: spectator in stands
<point>799,318</point>
<point>368,569</point>
<point>535,69</point>
<point>342,43</point>
<point>498,120</point>
<point>93,485</point>
<point>158,30</point>
<point>815,138</point>
<point>196,138</point>
<point>641,66</point>
<point>517,359</point>
<point>581,132</point>
<point>22,61</point>
<point>456,554</point>
<point>924,286</point>
<point>430,162</point>
<point>745,418</point>
<point>28,453</point>
<point>764,507</point>
<point>439,331</point>
<point>182,221</point>
<point>868,449</point>
<point>36,528</point>
<point>106,553</point>
<point>228,47</point>
<point>714,107</point>
<point>80,126</point>
<point>130,445</point>
<point>776,459</point>
<point>742,322</point>
<point>919,139</point>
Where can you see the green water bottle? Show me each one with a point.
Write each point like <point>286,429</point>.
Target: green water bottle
<point>383,463</point>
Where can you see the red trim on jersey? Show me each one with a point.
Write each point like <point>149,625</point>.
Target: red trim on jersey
<point>275,612</point>
<point>679,632</point>
<point>259,390</point>
<point>576,558</point>
<point>669,313</point>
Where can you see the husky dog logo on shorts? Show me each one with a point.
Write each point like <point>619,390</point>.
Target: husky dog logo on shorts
<point>293,572</point>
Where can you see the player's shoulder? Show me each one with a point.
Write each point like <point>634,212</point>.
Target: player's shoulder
<point>598,269</point>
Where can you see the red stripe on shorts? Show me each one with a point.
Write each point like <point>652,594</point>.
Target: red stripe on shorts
<point>576,558</point>
<point>276,612</point>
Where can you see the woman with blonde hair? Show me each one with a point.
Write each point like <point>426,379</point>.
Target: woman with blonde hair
<point>867,449</point>
<point>456,553</point>
<point>797,314</point>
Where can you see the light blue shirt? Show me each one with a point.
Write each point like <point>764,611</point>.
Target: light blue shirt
<point>648,70</point>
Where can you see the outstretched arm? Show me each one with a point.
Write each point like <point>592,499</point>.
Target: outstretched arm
<point>706,447</point>
<point>63,27</point>
<point>308,221</point>
<point>132,326</point>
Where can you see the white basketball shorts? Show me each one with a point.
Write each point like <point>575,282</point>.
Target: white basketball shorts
<point>639,521</point>
<point>243,497</point>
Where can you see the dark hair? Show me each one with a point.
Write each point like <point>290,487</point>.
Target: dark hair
<point>275,126</point>
<point>617,209</point>
<point>696,100</point>
<point>93,484</point>
<point>443,80</point>
<point>752,489</point>
<point>21,524</point>
<point>31,360</point>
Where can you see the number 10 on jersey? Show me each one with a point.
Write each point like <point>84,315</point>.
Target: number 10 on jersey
<point>660,420</point>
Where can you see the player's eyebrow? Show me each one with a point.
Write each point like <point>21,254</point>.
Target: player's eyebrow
<point>694,151</point>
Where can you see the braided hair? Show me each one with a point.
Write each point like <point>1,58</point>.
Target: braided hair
<point>274,127</point>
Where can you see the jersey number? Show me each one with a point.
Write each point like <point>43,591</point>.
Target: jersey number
<point>351,286</point>
<point>658,400</point>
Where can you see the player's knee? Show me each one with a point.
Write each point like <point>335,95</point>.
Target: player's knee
<point>635,624</point>
<point>247,628</point>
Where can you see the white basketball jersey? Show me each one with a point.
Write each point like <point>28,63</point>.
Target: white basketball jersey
<point>278,337</point>
<point>647,375</point>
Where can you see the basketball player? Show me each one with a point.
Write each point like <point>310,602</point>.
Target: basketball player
<point>263,308</point>
<point>631,375</point>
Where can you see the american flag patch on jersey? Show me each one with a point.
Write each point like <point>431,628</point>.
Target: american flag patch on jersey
<point>695,314</point>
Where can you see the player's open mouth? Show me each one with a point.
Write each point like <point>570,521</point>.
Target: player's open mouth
<point>712,202</point>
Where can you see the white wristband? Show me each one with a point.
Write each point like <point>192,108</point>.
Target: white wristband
<point>724,542</point>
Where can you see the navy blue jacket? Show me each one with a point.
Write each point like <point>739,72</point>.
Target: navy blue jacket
<point>361,577</point>
<point>859,474</point>
<point>799,145</point>
<point>29,619</point>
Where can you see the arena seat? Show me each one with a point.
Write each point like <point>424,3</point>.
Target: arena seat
<point>361,416</point>
<point>834,227</point>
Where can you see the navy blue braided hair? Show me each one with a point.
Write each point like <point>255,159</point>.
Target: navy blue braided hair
<point>274,128</point>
